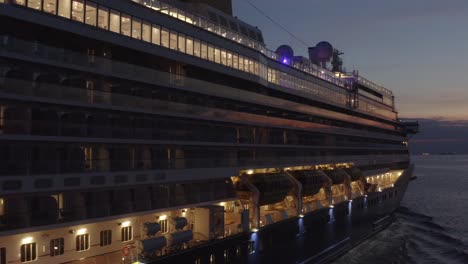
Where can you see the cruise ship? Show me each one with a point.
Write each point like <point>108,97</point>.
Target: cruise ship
<point>147,131</point>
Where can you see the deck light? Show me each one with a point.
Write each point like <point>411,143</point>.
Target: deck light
<point>81,231</point>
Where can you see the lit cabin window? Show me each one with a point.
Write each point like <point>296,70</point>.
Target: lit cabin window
<point>28,252</point>
<point>77,10</point>
<point>125,25</point>
<point>91,13</point>
<point>64,8</point>
<point>164,37</point>
<point>20,2</point>
<point>103,18</point>
<point>136,28</point>
<point>50,6</point>
<point>115,21</point>
<point>35,4</point>
<point>212,259</point>
<point>146,32</point>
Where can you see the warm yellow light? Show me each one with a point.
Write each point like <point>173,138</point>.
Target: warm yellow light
<point>255,230</point>
<point>222,203</point>
<point>126,223</point>
<point>27,240</point>
<point>301,215</point>
<point>163,217</point>
<point>250,172</point>
<point>81,231</point>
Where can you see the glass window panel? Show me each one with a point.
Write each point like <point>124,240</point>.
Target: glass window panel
<point>146,32</point>
<point>19,2</point>
<point>156,36</point>
<point>165,37</point>
<point>50,6</point>
<point>64,8</point>
<point>91,13</point>
<point>173,12</point>
<point>235,61</point>
<point>103,18</point>
<point>210,53</point>
<point>251,67</point>
<point>229,58</point>
<point>241,63</point>
<point>35,4</point>
<point>256,67</point>
<point>181,43</point>
<point>136,28</point>
<point>115,21</point>
<point>189,46</point>
<point>223,57</point>
<point>204,50</point>
<point>196,47</point>
<point>173,40</point>
<point>125,24</point>
<point>181,15</point>
<point>78,10</point>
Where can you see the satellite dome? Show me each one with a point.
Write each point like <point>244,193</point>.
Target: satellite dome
<point>285,51</point>
<point>324,50</point>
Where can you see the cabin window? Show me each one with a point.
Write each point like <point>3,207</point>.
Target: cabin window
<point>64,8</point>
<point>125,25</point>
<point>28,252</point>
<point>127,233</point>
<point>156,35</point>
<point>217,54</point>
<point>50,6</point>
<point>146,32</point>
<point>106,237</point>
<point>3,256</point>
<point>77,10</point>
<point>35,4</point>
<point>57,247</point>
<point>91,15</point>
<point>189,47</point>
<point>241,63</point>
<point>173,40</point>
<point>136,28</point>
<point>82,242</point>
<point>181,43</point>
<point>103,18</point>
<point>196,48</point>
<point>235,61</point>
<point>20,2</point>
<point>115,21</point>
<point>229,58</point>
<point>204,50</point>
<point>164,226</point>
<point>223,57</point>
<point>164,37</point>
<point>210,53</point>
<point>212,259</point>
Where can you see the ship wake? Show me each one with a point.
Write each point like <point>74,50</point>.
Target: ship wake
<point>412,238</point>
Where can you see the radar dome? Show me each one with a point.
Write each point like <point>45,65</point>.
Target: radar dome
<point>324,50</point>
<point>285,51</point>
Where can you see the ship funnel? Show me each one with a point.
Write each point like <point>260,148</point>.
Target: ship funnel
<point>321,53</point>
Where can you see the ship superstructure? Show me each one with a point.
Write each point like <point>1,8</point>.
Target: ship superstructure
<point>166,131</point>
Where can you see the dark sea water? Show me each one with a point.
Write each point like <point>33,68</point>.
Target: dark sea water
<point>431,225</point>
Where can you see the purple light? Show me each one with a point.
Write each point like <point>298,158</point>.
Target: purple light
<point>285,61</point>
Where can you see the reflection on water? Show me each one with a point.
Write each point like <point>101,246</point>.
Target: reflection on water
<point>431,225</point>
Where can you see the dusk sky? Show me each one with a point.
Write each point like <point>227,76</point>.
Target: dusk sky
<point>417,48</point>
